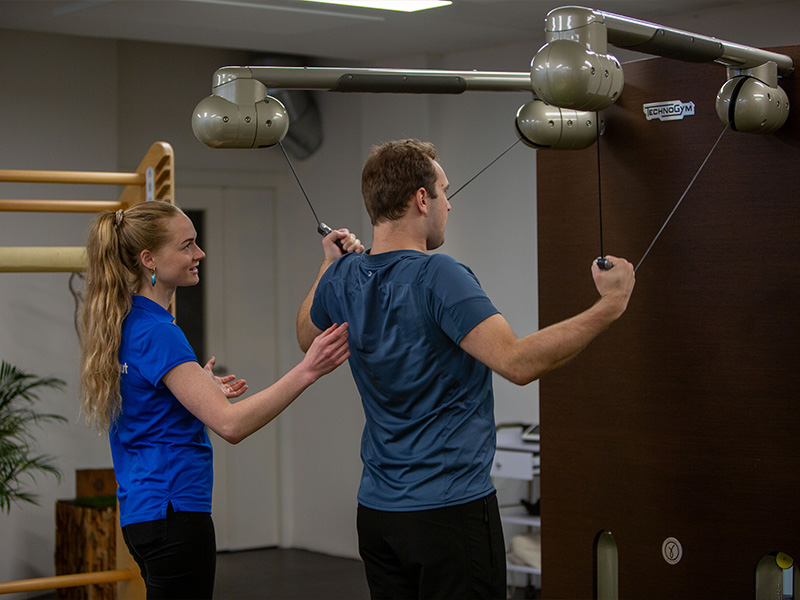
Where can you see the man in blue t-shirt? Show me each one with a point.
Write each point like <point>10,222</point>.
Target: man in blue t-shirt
<point>424,338</point>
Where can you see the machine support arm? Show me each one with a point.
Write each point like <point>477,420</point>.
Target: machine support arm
<point>571,77</point>
<point>574,70</point>
<point>649,38</point>
<point>377,80</point>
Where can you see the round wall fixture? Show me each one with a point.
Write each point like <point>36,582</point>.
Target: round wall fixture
<point>672,551</point>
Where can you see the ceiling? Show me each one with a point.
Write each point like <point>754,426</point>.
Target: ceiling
<point>312,29</point>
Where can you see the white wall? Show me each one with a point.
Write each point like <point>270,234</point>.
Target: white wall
<point>89,104</point>
<point>58,115</point>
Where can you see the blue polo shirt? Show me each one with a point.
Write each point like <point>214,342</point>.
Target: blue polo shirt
<point>429,437</point>
<point>161,451</point>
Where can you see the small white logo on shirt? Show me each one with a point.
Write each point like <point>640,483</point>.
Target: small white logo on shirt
<point>123,368</point>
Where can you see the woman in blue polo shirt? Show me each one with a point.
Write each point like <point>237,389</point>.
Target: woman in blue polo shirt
<point>141,381</point>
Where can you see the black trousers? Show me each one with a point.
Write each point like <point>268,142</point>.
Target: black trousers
<point>449,553</point>
<point>177,555</point>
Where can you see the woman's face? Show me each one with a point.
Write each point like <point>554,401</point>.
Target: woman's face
<point>177,261</point>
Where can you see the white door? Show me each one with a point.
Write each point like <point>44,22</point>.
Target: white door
<point>240,305</point>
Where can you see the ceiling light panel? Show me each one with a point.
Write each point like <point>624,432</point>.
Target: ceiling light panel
<point>397,5</point>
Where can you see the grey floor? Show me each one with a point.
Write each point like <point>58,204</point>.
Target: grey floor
<point>289,574</point>
<point>284,574</point>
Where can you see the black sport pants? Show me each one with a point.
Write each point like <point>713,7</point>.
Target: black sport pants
<point>177,555</point>
<point>445,553</point>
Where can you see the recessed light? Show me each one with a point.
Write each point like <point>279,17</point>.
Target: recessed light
<point>398,5</point>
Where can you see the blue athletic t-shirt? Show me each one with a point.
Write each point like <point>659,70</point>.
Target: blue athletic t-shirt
<point>429,437</point>
<point>161,451</point>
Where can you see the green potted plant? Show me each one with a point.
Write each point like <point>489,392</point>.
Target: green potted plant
<point>18,460</point>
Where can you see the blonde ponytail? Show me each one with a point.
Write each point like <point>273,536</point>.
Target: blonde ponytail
<point>113,275</point>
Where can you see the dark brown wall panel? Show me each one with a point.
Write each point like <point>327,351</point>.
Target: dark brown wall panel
<point>683,419</point>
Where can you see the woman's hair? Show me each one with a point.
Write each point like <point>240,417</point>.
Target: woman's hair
<point>392,173</point>
<point>113,275</point>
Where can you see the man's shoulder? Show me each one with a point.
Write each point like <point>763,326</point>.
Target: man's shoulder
<point>443,265</point>
<point>441,258</point>
<point>343,264</point>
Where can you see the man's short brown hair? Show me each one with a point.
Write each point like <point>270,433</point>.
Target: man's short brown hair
<point>393,172</point>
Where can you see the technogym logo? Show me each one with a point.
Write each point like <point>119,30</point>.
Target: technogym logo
<point>671,110</point>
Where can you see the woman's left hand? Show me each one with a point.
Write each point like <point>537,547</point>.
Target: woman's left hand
<point>228,384</point>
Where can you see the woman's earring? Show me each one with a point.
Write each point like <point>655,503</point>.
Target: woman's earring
<point>153,277</point>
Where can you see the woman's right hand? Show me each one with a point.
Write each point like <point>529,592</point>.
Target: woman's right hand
<point>328,350</point>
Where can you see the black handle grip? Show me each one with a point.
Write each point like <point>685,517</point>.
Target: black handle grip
<point>325,230</point>
<point>604,263</point>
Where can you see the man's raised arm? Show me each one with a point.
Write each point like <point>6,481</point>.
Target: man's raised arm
<point>524,360</point>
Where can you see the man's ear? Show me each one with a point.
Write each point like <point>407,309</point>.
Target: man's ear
<point>421,200</point>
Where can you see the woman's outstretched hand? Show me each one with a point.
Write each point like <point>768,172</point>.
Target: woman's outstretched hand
<point>230,386</point>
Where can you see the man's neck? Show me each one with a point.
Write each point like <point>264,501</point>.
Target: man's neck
<point>390,236</point>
